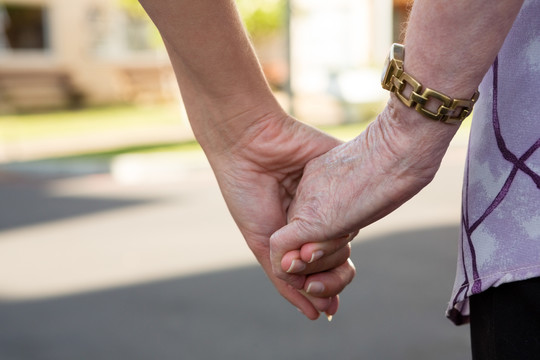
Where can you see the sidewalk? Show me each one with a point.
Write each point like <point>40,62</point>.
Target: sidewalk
<point>96,269</point>
<point>137,257</point>
<point>87,143</point>
<point>175,193</point>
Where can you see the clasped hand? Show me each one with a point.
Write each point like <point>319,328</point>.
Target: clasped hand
<point>299,196</point>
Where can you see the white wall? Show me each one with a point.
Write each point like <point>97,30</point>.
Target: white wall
<point>335,43</point>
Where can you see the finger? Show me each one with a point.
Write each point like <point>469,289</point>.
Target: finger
<point>329,306</point>
<point>313,251</point>
<point>301,302</point>
<point>328,262</point>
<point>330,283</point>
<point>293,263</point>
<point>289,238</point>
<point>310,306</point>
<point>332,308</point>
<point>322,304</point>
<point>292,271</point>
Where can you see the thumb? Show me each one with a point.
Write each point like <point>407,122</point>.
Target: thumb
<point>285,245</point>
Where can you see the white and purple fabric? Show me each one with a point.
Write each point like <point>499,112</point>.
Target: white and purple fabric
<point>500,232</point>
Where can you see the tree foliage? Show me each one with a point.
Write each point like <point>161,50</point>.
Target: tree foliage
<point>261,17</point>
<point>132,7</point>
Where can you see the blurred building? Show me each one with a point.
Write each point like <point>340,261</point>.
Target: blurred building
<point>62,53</point>
<point>337,51</point>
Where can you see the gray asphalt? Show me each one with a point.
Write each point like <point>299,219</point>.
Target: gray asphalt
<point>85,309</point>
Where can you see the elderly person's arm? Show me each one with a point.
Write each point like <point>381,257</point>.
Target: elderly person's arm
<point>449,47</point>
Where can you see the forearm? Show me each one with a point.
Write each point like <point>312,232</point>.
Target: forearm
<point>222,85</point>
<point>449,48</point>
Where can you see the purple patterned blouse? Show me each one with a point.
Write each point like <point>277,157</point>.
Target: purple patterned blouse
<point>500,240</point>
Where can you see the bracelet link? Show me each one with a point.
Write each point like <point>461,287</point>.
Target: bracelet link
<point>404,80</point>
<point>450,111</point>
<point>443,110</point>
<point>410,92</point>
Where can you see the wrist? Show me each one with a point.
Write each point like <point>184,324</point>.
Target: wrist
<point>411,124</point>
<point>420,143</point>
<point>430,103</point>
<point>220,125</point>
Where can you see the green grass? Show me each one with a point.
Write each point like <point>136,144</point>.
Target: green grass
<point>143,149</point>
<point>28,127</point>
<point>34,127</point>
<point>24,127</point>
<point>343,132</point>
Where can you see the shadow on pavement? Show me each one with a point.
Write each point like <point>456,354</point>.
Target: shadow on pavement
<point>25,201</point>
<point>394,309</point>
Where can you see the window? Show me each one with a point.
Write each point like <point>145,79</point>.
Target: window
<point>23,27</point>
<point>116,32</point>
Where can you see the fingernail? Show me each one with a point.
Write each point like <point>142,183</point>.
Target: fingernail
<point>316,256</point>
<point>296,266</point>
<point>329,317</point>
<point>315,287</point>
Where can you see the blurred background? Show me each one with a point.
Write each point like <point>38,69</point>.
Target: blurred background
<point>114,240</point>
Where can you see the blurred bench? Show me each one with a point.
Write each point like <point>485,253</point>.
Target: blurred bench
<point>37,90</point>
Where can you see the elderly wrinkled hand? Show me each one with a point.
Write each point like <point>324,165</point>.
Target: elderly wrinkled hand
<point>344,190</point>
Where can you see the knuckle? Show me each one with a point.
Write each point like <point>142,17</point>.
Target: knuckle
<point>277,272</point>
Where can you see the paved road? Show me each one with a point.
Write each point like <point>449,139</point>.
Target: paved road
<point>91,268</point>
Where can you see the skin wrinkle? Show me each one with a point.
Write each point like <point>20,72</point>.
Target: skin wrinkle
<point>336,209</point>
<point>389,176</point>
<point>351,163</point>
<point>336,184</point>
<point>256,139</point>
<point>415,154</point>
<point>378,135</point>
<point>288,187</point>
<point>310,211</point>
<point>265,130</point>
<point>269,136</point>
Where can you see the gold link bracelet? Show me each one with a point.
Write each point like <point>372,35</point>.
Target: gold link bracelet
<point>396,80</point>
